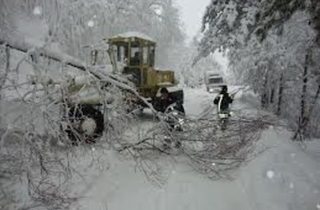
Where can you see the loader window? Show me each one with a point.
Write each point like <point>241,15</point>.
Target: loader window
<point>135,57</point>
<point>151,56</point>
<point>145,55</point>
<point>122,54</point>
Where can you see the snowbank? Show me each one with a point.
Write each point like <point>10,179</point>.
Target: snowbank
<point>283,177</point>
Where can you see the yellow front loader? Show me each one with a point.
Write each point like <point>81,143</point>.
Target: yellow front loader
<point>133,55</point>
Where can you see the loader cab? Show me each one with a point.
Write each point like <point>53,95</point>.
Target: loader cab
<point>133,49</point>
<point>136,52</point>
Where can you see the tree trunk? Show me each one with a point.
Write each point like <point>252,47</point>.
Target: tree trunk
<point>306,120</point>
<point>316,97</point>
<point>54,55</point>
<point>303,119</point>
<point>4,76</point>
<point>272,95</point>
<point>280,95</point>
<point>264,97</point>
<point>304,89</point>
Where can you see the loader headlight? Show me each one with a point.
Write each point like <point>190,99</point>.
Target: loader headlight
<point>181,121</point>
<point>223,116</point>
<point>175,113</point>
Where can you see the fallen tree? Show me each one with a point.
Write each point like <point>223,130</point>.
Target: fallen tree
<point>74,62</point>
<point>210,151</point>
<point>34,132</point>
<point>216,156</point>
<point>29,153</point>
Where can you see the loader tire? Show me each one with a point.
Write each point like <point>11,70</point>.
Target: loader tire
<point>87,124</point>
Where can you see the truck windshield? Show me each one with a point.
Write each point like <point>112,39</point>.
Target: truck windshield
<point>215,80</point>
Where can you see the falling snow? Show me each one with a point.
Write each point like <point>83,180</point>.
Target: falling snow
<point>90,23</point>
<point>291,185</point>
<point>37,11</point>
<point>270,174</point>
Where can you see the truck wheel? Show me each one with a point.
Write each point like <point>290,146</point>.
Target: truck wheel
<point>87,124</point>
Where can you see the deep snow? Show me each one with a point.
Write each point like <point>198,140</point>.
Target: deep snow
<point>284,177</point>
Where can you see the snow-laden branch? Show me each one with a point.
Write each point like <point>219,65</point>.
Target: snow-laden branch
<point>210,151</point>
<point>56,55</point>
<point>74,62</point>
<point>5,75</point>
<point>122,86</point>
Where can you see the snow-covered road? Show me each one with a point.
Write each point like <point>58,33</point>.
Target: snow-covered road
<point>284,177</point>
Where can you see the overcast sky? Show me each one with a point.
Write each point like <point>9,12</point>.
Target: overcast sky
<point>191,14</point>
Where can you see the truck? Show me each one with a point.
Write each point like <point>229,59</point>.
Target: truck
<point>213,81</point>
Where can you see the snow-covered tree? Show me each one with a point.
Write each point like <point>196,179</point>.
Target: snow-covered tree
<point>75,24</point>
<point>282,69</point>
<point>226,24</point>
<point>273,14</point>
<point>230,24</point>
<point>189,74</point>
<point>271,46</point>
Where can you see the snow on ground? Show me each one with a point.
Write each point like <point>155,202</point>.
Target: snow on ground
<point>199,102</point>
<point>282,177</point>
